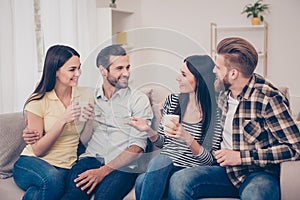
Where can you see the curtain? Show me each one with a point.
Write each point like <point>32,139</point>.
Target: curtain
<point>70,22</point>
<point>18,70</point>
<point>26,34</point>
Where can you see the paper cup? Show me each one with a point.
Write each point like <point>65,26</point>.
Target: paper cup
<point>167,119</point>
<point>82,104</point>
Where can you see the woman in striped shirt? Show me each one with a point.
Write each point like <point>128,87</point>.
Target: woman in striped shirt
<point>186,143</point>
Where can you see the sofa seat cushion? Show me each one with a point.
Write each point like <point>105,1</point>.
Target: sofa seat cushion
<point>9,190</point>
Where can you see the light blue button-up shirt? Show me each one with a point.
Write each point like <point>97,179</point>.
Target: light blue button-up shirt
<point>111,135</point>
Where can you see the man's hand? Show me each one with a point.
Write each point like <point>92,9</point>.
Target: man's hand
<point>139,124</point>
<point>160,108</point>
<point>31,136</point>
<point>227,157</point>
<point>89,112</point>
<point>90,178</point>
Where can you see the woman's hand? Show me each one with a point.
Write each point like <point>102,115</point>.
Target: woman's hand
<point>139,124</point>
<point>175,130</point>
<point>72,112</point>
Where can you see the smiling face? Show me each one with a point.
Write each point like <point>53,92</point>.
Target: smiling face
<point>69,73</point>
<point>186,80</point>
<point>119,71</point>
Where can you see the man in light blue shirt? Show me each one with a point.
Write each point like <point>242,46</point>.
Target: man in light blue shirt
<point>111,132</point>
<point>105,169</point>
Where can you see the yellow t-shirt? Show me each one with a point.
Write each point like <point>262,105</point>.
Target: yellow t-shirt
<point>63,153</point>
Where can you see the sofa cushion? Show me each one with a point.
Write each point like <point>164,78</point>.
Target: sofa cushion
<point>157,93</point>
<point>9,190</point>
<point>11,142</point>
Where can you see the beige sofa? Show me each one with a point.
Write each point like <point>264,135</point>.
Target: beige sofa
<point>11,144</point>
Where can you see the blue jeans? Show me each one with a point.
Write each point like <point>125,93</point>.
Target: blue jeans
<point>212,181</point>
<point>153,183</point>
<point>40,179</point>
<point>114,186</point>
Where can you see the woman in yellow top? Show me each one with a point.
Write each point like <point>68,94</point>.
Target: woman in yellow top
<point>53,110</point>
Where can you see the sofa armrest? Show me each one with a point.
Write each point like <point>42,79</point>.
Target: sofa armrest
<point>290,180</point>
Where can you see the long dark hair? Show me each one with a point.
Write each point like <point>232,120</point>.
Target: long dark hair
<point>56,57</point>
<point>201,66</point>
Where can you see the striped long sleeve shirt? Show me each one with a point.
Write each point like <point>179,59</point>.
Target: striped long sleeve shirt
<point>176,149</point>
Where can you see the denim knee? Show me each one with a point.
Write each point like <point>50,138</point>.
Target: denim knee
<point>179,186</point>
<point>54,183</point>
<point>260,186</point>
<point>159,162</point>
<point>55,179</point>
<point>39,178</point>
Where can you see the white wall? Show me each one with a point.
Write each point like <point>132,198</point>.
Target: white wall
<point>193,17</point>
<point>189,18</point>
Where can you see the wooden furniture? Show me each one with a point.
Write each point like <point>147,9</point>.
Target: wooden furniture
<point>110,21</point>
<point>257,35</point>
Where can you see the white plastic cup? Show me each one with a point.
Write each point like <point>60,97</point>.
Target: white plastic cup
<point>167,119</point>
<point>82,104</point>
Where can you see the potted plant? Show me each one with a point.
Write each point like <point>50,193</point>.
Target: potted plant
<point>113,4</point>
<point>256,10</point>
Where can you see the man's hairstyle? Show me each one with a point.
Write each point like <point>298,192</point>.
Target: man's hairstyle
<point>104,54</point>
<point>239,54</point>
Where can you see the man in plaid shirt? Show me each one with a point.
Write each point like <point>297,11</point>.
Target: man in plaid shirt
<point>258,133</point>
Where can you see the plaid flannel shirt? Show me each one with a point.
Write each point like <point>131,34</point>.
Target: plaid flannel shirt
<point>263,130</point>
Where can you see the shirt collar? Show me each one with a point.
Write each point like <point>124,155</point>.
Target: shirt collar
<point>52,94</point>
<point>99,92</point>
<point>247,90</point>
<point>121,92</point>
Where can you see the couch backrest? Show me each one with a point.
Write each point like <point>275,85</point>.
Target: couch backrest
<point>157,94</point>
<point>11,141</point>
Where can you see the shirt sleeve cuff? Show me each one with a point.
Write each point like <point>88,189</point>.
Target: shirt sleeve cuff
<point>246,158</point>
<point>140,143</point>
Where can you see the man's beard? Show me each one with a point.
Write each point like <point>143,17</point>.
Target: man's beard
<point>116,83</point>
<point>222,85</point>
